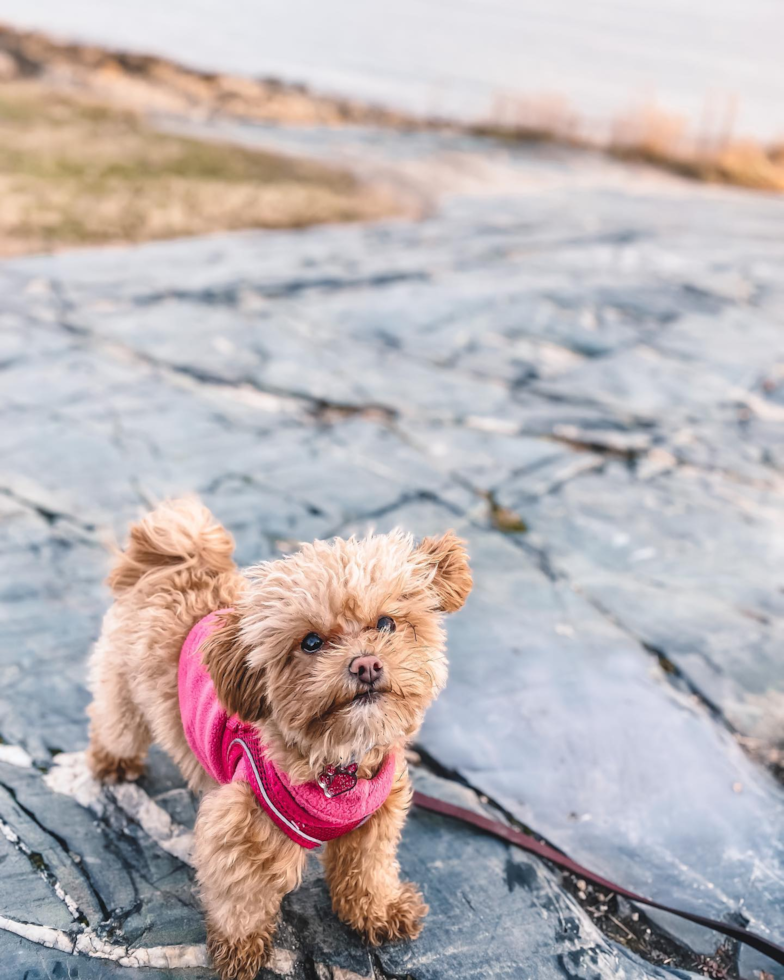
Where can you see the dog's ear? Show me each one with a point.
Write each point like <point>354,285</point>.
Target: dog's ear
<point>241,689</point>
<point>452,576</point>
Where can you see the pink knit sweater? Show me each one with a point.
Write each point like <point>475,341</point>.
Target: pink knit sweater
<point>230,750</point>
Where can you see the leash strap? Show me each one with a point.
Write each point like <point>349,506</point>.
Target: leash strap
<point>528,843</point>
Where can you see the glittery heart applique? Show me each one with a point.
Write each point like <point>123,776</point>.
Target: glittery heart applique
<point>335,780</point>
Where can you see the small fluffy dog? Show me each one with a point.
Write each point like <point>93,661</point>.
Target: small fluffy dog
<point>302,689</point>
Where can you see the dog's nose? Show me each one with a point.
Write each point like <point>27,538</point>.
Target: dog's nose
<point>367,669</point>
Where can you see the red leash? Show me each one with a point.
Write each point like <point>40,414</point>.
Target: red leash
<point>528,843</point>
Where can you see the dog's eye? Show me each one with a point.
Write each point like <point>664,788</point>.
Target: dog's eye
<point>312,642</point>
<point>386,624</point>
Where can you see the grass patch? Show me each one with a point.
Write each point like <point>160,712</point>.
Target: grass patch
<point>76,172</point>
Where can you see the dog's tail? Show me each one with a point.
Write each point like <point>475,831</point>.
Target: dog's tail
<point>177,535</point>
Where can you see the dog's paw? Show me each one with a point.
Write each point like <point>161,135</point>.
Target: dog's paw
<point>237,959</point>
<point>400,917</point>
<point>108,768</point>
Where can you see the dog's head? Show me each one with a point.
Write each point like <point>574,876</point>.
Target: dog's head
<point>340,646</point>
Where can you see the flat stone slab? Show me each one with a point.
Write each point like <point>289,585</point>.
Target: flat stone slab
<point>581,369</point>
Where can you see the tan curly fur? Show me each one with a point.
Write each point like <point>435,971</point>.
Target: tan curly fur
<point>176,568</point>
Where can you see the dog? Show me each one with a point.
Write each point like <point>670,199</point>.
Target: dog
<point>286,695</point>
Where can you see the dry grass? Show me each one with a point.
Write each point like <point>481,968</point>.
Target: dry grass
<point>646,134</point>
<point>74,172</point>
<point>663,139</point>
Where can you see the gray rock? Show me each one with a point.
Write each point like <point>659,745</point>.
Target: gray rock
<point>583,345</point>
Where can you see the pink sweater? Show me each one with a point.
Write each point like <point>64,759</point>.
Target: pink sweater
<point>230,750</point>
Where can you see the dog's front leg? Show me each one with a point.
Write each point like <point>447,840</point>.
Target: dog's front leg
<point>364,874</point>
<point>244,866</point>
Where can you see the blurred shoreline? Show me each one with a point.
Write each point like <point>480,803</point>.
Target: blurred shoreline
<point>645,133</point>
<point>456,60</point>
<point>83,160</point>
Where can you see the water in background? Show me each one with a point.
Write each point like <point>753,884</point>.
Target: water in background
<point>457,57</point>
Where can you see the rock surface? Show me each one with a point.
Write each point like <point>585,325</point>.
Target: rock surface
<point>579,367</point>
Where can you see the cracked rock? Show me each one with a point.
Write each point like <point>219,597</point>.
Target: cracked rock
<point>584,350</point>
